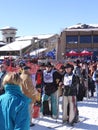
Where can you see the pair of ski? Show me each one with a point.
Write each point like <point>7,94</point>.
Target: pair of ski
<point>66,124</point>
<point>61,125</point>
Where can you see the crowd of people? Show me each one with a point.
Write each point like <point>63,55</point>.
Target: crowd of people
<point>18,94</point>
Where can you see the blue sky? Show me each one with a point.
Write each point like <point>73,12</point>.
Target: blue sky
<point>32,17</point>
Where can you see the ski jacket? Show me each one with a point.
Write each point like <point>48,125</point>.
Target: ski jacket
<point>70,84</point>
<point>95,76</point>
<point>14,113</point>
<point>77,71</point>
<point>49,79</point>
<point>27,86</point>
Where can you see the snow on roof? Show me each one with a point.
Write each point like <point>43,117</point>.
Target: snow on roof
<point>2,43</point>
<point>75,26</point>
<point>83,26</point>
<point>7,28</point>
<point>44,36</point>
<point>86,30</point>
<point>94,25</point>
<point>16,46</point>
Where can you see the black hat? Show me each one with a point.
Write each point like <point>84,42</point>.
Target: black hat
<point>77,61</point>
<point>62,67</point>
<point>69,66</point>
<point>48,64</point>
<point>26,67</point>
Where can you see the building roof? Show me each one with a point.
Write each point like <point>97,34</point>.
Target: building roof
<point>44,36</point>
<point>2,43</point>
<point>16,46</point>
<point>86,30</point>
<point>83,26</point>
<point>8,28</point>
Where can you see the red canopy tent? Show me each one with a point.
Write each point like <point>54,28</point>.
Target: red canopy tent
<point>72,53</point>
<point>86,53</point>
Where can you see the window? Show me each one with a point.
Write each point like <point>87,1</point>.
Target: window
<point>9,39</point>
<point>95,39</point>
<point>85,39</point>
<point>71,39</point>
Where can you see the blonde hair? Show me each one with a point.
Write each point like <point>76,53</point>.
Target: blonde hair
<point>11,78</point>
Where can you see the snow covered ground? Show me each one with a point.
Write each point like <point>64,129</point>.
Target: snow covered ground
<point>88,114</point>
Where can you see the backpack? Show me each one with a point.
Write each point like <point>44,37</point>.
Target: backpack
<point>39,77</point>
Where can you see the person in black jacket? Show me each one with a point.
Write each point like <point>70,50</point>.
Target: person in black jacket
<point>69,95</point>
<point>50,96</point>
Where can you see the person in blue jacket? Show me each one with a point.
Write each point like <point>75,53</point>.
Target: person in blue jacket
<point>14,105</point>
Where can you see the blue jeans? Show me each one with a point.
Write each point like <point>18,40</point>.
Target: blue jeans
<point>53,98</point>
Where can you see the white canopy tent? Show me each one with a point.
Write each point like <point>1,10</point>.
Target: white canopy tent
<point>38,51</point>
